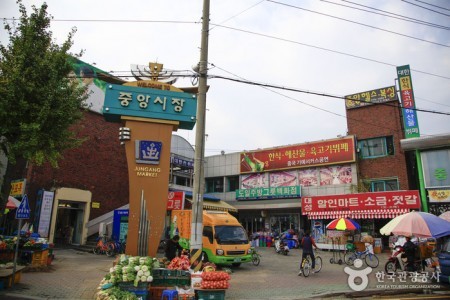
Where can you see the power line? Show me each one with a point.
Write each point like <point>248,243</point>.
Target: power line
<point>354,22</point>
<point>438,12</point>
<point>388,14</point>
<point>432,5</point>
<point>234,16</point>
<point>115,21</point>
<point>312,92</point>
<point>328,50</point>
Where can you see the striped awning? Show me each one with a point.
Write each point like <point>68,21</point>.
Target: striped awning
<point>357,214</point>
<point>217,205</point>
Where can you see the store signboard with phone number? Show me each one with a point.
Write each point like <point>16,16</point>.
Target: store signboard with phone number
<point>335,151</point>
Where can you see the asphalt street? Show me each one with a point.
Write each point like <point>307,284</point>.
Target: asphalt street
<point>76,275</point>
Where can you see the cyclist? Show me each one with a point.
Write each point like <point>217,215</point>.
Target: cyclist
<point>307,244</point>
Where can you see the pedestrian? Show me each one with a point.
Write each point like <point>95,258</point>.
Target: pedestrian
<point>173,247</point>
<point>307,244</point>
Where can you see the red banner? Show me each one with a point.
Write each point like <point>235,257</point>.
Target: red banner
<point>175,200</point>
<point>302,155</point>
<point>363,201</point>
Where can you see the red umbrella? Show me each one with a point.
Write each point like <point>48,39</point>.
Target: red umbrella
<point>343,224</point>
<point>13,203</point>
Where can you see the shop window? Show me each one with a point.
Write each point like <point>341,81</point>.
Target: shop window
<point>383,185</point>
<point>376,147</point>
<point>232,183</point>
<point>214,185</point>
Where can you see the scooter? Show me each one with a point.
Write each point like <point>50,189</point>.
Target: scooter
<point>398,261</point>
<point>281,247</point>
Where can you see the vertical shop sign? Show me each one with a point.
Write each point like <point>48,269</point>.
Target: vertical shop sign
<point>410,120</point>
<point>46,214</point>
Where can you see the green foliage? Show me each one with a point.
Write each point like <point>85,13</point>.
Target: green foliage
<point>39,102</point>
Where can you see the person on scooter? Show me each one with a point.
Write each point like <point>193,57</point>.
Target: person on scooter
<point>410,252</point>
<point>307,244</point>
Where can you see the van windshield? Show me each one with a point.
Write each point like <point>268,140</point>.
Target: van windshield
<point>231,235</point>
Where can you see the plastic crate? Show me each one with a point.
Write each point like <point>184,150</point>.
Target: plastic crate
<point>167,277</point>
<point>141,291</point>
<point>210,294</point>
<point>39,258</point>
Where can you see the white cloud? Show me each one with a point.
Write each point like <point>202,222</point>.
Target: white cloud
<point>249,117</point>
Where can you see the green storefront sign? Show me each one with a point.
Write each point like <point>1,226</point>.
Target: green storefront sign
<point>269,193</point>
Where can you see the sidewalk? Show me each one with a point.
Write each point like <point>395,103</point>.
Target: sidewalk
<point>76,275</point>
<point>72,275</point>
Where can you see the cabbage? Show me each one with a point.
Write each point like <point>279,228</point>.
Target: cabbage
<point>142,260</point>
<point>143,279</point>
<point>147,273</point>
<point>111,270</point>
<point>144,268</point>
<point>149,278</point>
<point>140,273</point>
<point>137,268</point>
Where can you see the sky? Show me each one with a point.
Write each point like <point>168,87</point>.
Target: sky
<point>334,47</point>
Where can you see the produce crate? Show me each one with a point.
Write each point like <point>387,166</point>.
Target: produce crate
<point>39,258</point>
<point>167,277</point>
<point>141,291</point>
<point>210,294</point>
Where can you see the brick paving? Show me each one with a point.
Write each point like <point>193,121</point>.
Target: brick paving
<point>76,275</point>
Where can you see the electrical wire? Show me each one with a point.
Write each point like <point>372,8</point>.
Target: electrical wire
<point>358,23</point>
<point>388,14</point>
<point>432,5</point>
<point>426,8</point>
<point>328,50</point>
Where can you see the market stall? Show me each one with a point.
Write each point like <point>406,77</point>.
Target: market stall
<point>134,277</point>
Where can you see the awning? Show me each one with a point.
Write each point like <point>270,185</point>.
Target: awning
<point>358,214</point>
<point>217,205</point>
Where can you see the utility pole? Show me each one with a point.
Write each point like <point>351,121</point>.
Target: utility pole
<point>196,244</point>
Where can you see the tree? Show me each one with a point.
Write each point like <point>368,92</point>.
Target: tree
<point>39,102</point>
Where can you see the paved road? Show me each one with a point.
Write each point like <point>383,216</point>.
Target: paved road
<point>76,275</point>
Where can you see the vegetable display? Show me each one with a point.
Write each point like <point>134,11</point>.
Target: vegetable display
<point>132,269</point>
<point>215,280</point>
<point>179,263</point>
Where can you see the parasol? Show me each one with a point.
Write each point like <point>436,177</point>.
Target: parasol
<point>419,224</point>
<point>445,216</point>
<point>343,224</point>
<point>12,203</point>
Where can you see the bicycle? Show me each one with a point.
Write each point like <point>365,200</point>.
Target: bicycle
<point>115,247</point>
<point>256,257</point>
<point>306,265</point>
<point>103,246</point>
<point>367,256</point>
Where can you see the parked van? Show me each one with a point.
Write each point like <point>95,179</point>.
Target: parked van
<point>225,241</point>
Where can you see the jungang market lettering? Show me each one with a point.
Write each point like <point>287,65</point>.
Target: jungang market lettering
<point>147,171</point>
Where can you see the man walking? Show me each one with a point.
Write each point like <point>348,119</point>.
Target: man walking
<point>307,245</point>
